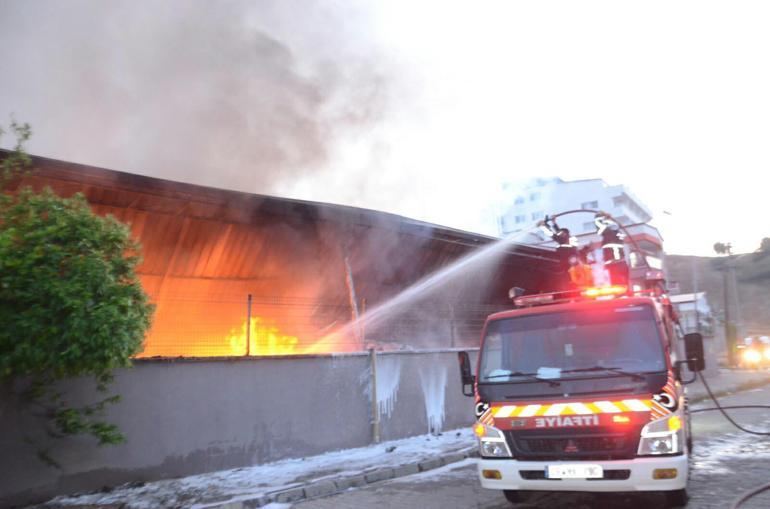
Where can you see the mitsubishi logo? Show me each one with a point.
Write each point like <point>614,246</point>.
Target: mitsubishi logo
<point>571,447</point>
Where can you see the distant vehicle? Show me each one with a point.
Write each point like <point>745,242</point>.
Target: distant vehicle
<point>754,352</point>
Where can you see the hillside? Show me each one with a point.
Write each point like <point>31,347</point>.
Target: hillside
<point>752,273</point>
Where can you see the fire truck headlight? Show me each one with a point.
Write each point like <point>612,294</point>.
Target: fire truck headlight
<point>490,449</point>
<point>492,443</point>
<point>663,436</point>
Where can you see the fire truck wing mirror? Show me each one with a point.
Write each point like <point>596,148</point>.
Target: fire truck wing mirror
<point>693,347</point>
<point>466,376</point>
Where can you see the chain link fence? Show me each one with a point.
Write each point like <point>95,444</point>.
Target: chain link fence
<point>264,325</point>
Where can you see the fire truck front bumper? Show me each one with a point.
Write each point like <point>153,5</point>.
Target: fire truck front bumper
<point>639,474</point>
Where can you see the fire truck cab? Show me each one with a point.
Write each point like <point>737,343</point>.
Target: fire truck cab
<point>583,391</point>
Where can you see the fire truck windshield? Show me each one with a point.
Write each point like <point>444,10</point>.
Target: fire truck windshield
<point>619,341</point>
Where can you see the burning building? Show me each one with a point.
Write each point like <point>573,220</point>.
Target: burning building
<point>236,274</point>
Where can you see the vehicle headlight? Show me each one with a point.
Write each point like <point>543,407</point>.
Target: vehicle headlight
<point>492,442</point>
<point>767,353</point>
<point>662,436</point>
<point>752,356</point>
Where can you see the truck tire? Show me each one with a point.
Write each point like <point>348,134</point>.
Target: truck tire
<point>677,498</point>
<point>513,496</point>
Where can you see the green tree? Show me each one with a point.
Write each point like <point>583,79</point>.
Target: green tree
<point>721,248</point>
<point>16,161</point>
<point>71,303</point>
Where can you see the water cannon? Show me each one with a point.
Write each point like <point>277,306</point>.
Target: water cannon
<point>560,235</point>
<point>575,262</point>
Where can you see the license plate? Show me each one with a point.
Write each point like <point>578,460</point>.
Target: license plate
<point>574,471</point>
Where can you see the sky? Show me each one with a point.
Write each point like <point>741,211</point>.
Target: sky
<point>418,108</point>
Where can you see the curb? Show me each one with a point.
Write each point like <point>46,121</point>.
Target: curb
<point>326,487</point>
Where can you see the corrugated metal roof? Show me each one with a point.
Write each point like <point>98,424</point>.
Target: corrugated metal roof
<point>204,250</point>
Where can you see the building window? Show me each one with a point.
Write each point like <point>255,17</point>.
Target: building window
<point>519,200</point>
<point>590,205</point>
<point>617,200</point>
<point>520,218</point>
<point>589,227</point>
<point>534,196</point>
<point>538,215</point>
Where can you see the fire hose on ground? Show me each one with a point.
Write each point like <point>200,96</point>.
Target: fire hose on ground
<point>743,497</point>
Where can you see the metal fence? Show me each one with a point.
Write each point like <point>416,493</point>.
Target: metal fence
<point>249,325</point>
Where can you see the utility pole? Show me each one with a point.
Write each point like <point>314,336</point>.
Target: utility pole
<point>248,326</point>
<point>695,294</point>
<point>736,298</point>
<point>728,331</point>
<point>729,327</point>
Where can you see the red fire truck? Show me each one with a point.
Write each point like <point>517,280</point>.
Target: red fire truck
<point>582,390</point>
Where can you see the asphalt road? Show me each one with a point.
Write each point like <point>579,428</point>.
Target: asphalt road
<point>726,463</point>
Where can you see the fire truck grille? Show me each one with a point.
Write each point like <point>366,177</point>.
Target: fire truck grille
<point>577,444</point>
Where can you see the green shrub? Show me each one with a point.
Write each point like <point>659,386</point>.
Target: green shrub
<point>71,304</point>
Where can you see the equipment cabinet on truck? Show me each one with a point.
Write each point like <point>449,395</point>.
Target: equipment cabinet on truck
<point>582,391</point>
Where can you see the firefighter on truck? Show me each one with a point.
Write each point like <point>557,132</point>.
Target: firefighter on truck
<point>582,389</point>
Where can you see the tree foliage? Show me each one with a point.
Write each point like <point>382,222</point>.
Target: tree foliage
<point>17,161</point>
<point>721,248</point>
<point>71,303</point>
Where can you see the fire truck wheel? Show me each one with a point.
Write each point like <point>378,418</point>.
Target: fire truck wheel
<point>513,496</point>
<point>677,498</point>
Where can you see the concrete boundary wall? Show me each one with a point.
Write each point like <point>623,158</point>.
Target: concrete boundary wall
<point>183,417</point>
